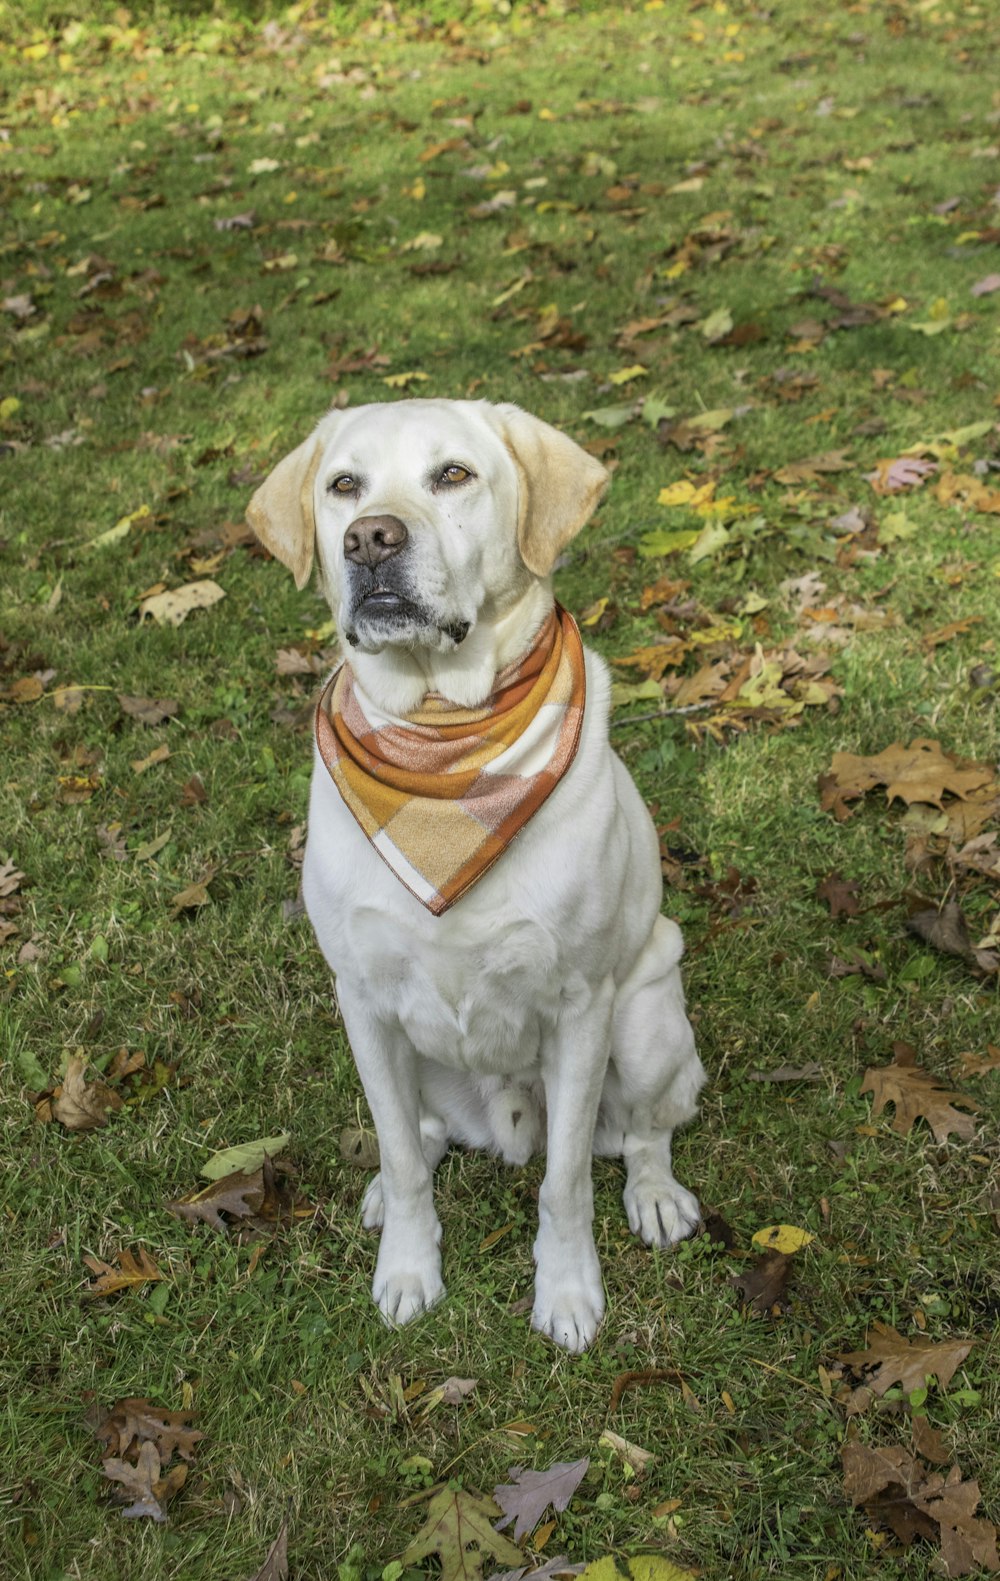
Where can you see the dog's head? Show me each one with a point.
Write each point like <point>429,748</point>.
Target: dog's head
<point>425,516</point>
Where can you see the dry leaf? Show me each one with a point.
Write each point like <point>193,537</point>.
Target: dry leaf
<point>148,710</point>
<point>762,1287</point>
<point>131,1271</point>
<point>138,1483</point>
<point>175,605</point>
<point>262,1199</point>
<point>840,894</point>
<point>459,1531</point>
<point>528,1495</point>
<point>920,772</point>
<point>136,1421</point>
<point>275,1566</point>
<point>80,1105</point>
<point>916,1094</point>
<point>891,1359</point>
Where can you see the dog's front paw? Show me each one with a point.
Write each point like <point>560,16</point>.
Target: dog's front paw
<point>660,1210</point>
<point>403,1289</point>
<point>569,1296</point>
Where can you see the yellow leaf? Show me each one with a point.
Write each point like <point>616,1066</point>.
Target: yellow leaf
<point>637,371</point>
<point>547,115</point>
<point>8,406</point>
<point>785,1238</point>
<point>399,381</point>
<point>684,492</point>
<point>592,615</point>
<point>120,530</point>
<point>643,1567</point>
<point>427,241</point>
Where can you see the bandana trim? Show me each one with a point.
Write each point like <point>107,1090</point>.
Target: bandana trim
<point>440,793</point>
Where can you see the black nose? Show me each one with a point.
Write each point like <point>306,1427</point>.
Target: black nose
<point>372,539</point>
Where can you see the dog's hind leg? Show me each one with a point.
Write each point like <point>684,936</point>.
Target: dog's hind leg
<point>651,1088</point>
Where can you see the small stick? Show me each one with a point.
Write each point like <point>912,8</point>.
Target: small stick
<point>660,713</point>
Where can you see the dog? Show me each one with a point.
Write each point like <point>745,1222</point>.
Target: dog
<point>505,975</point>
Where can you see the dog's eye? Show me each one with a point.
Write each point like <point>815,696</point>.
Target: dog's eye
<point>454,474</point>
<point>345,484</point>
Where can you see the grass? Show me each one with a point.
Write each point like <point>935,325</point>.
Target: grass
<point>824,144</point>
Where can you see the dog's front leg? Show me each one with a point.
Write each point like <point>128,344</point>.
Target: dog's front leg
<point>408,1270</point>
<point>569,1295</point>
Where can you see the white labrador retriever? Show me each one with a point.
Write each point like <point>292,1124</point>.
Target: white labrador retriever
<point>544,1009</point>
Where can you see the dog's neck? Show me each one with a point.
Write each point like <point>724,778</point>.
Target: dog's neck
<point>398,679</point>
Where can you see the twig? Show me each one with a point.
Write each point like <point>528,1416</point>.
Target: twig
<point>660,713</point>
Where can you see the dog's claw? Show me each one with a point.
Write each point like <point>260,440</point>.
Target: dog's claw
<point>660,1211</point>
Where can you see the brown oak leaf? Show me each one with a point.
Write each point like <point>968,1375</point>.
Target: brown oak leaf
<point>891,1359</point>
<point>919,772</point>
<point>762,1287</point>
<point>80,1105</point>
<point>135,1422</point>
<point>260,1200</point>
<point>840,894</point>
<point>916,1094</point>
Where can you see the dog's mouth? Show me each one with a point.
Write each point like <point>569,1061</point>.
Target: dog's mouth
<point>381,615</point>
<point>384,602</point>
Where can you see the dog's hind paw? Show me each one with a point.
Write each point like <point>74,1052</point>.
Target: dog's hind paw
<point>660,1210</point>
<point>372,1206</point>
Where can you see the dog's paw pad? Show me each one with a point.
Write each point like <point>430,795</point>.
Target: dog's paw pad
<point>660,1211</point>
<point>372,1206</point>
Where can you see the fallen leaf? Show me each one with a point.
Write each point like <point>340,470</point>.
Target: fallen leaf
<point>840,894</point>
<point>891,1359</point>
<point>986,285</point>
<point>159,754</point>
<point>148,710</point>
<point>944,928</point>
<point>811,468</point>
<point>360,1147</point>
<point>641,1567</point>
<point>136,1421</point>
<point>263,1199</point>
<point>275,1566</point>
<point>138,1483</point>
<point>916,1094</point>
<point>132,1270</point>
<point>631,1455</point>
<point>80,1105</point>
<point>459,1531</point>
<point>785,1238</point>
<point>920,772</point>
<point>528,1495</point>
<point>191,898</point>
<point>902,472</point>
<point>11,878</point>
<point>175,605</point>
<point>244,1159</point>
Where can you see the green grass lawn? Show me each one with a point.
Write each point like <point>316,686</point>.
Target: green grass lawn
<point>214,229</point>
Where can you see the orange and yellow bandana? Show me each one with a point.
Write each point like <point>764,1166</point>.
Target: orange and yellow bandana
<point>442,792</point>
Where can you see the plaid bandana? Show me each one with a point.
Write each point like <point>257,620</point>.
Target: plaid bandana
<point>442,792</point>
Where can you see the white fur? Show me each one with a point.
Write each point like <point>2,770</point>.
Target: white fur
<point>545,1009</point>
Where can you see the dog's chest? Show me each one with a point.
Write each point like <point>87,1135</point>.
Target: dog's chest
<point>477,1000</point>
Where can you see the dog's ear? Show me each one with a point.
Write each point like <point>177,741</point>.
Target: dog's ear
<point>559,486</point>
<point>282,513</point>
